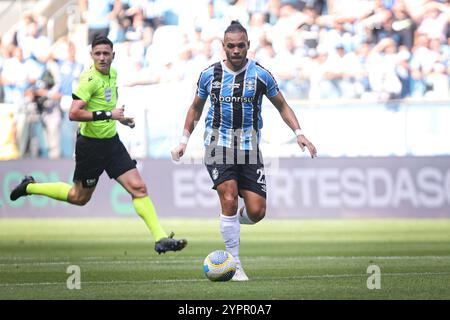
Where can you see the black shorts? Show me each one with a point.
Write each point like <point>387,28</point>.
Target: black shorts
<point>248,171</point>
<point>93,156</point>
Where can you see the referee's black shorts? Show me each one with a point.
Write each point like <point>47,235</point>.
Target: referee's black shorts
<point>93,156</point>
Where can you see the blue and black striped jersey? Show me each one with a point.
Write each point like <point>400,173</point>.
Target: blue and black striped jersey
<point>236,99</point>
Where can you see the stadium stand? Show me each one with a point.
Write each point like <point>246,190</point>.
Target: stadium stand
<point>368,50</point>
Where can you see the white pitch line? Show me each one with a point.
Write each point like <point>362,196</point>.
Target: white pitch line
<point>143,282</point>
<point>382,257</point>
<point>103,262</point>
<point>89,260</point>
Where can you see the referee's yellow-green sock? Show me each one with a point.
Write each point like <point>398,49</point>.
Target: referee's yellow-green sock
<point>145,208</point>
<point>54,190</point>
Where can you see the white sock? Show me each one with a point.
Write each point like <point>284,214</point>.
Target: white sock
<point>231,231</point>
<point>243,216</point>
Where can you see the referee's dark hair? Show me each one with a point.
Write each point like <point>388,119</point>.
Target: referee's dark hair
<point>235,26</point>
<point>101,40</point>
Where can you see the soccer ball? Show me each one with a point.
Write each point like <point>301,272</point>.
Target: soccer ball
<point>219,265</point>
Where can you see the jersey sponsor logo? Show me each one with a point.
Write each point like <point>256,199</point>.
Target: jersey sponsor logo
<point>232,99</point>
<point>214,98</point>
<point>216,84</point>
<point>234,85</point>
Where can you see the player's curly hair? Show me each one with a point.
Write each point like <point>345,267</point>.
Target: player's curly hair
<point>235,26</point>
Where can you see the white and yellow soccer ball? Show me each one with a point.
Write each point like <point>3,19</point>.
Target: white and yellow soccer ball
<point>219,265</point>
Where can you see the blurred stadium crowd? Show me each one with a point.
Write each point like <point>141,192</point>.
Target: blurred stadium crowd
<point>316,49</point>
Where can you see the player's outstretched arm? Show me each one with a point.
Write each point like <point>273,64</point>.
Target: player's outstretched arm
<point>193,115</point>
<point>288,116</point>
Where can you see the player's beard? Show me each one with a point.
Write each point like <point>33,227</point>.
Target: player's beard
<point>237,63</point>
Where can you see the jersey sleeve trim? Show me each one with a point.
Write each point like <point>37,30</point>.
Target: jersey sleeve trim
<point>268,79</point>
<point>203,82</point>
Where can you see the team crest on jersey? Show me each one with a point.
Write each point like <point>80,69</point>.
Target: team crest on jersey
<point>216,84</point>
<point>250,84</point>
<point>215,174</point>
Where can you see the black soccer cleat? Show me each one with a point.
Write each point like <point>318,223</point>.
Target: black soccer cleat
<point>170,244</point>
<point>21,189</point>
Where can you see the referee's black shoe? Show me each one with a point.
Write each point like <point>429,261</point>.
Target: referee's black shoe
<point>21,189</point>
<point>170,244</point>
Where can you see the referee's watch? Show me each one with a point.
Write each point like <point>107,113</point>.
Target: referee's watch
<point>101,115</point>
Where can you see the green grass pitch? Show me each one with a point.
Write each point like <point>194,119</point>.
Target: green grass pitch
<point>285,259</point>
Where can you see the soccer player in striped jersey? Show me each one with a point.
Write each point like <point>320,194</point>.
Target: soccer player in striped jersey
<point>235,88</point>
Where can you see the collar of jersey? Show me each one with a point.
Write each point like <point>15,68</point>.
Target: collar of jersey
<point>234,72</point>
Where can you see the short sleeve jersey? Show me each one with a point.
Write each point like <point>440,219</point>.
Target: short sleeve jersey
<point>100,93</point>
<point>236,100</point>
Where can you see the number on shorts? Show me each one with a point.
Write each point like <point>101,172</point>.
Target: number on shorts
<point>261,179</point>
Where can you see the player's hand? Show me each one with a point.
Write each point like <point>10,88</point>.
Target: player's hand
<point>303,142</point>
<point>127,121</point>
<point>117,113</point>
<point>178,152</point>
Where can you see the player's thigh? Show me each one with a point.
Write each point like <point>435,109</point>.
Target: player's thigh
<point>132,181</point>
<point>89,161</point>
<point>254,202</point>
<point>220,173</point>
<point>120,163</point>
<point>228,195</point>
<point>224,178</point>
<point>228,188</point>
